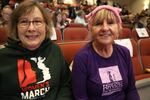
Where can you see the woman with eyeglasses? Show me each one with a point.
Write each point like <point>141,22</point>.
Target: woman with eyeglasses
<point>31,65</point>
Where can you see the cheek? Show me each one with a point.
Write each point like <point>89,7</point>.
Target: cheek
<point>95,30</point>
<point>20,32</point>
<point>94,33</point>
<point>115,31</point>
<point>43,31</point>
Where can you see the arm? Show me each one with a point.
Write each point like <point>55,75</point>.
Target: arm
<point>131,91</point>
<point>65,92</point>
<point>79,77</point>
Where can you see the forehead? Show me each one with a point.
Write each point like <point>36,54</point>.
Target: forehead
<point>104,14</point>
<point>35,12</point>
<point>7,9</point>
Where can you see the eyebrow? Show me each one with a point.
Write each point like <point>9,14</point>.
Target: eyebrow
<point>32,19</point>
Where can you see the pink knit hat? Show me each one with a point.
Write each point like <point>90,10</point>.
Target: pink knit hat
<point>115,10</point>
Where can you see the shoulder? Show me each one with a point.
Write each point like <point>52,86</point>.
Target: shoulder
<point>55,47</point>
<point>122,50</point>
<point>85,51</point>
<point>4,51</point>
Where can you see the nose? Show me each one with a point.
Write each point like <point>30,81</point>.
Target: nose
<point>105,26</point>
<point>31,27</point>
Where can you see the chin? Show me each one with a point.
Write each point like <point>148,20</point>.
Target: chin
<point>33,46</point>
<point>105,42</point>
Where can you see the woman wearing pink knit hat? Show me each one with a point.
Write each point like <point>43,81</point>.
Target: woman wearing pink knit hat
<point>102,70</point>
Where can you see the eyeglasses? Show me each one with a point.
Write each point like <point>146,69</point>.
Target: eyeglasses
<point>7,14</point>
<point>25,23</point>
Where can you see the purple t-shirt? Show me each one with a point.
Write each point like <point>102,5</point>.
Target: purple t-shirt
<point>97,78</point>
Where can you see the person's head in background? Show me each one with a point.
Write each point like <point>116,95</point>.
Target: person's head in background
<point>12,3</point>
<point>105,24</point>
<point>143,19</point>
<point>57,19</point>
<point>64,15</point>
<point>81,14</point>
<point>29,24</point>
<point>6,14</point>
<point>148,23</point>
<point>65,18</point>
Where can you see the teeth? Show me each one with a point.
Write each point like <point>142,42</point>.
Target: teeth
<point>32,36</point>
<point>105,34</point>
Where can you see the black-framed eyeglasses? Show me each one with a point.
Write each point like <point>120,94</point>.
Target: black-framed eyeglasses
<point>25,23</point>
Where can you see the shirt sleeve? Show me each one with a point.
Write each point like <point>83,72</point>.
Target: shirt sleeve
<point>79,77</point>
<point>131,91</point>
<point>65,92</point>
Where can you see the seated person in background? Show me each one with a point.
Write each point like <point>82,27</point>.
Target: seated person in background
<point>57,20</point>
<point>80,18</point>
<point>5,13</point>
<point>102,70</point>
<point>128,20</point>
<point>141,21</point>
<point>65,20</point>
<point>32,67</point>
<point>148,23</point>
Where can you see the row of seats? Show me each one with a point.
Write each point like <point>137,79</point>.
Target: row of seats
<point>143,86</point>
<point>72,34</point>
<point>140,61</point>
<point>77,33</point>
<point>140,58</point>
<point>76,25</point>
<point>134,34</point>
<point>68,34</point>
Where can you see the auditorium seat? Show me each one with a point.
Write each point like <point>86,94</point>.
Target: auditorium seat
<point>142,78</point>
<point>75,34</point>
<point>126,33</point>
<point>137,68</point>
<point>143,85</point>
<point>144,50</point>
<point>69,49</point>
<point>75,25</point>
<point>136,36</point>
<point>59,35</point>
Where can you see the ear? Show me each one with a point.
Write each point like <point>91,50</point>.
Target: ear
<point>120,27</point>
<point>89,26</point>
<point>89,37</point>
<point>119,30</point>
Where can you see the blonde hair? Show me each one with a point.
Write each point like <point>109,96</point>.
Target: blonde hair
<point>105,14</point>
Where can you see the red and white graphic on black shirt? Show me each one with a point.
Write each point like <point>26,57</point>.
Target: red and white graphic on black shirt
<point>32,87</point>
<point>25,73</point>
